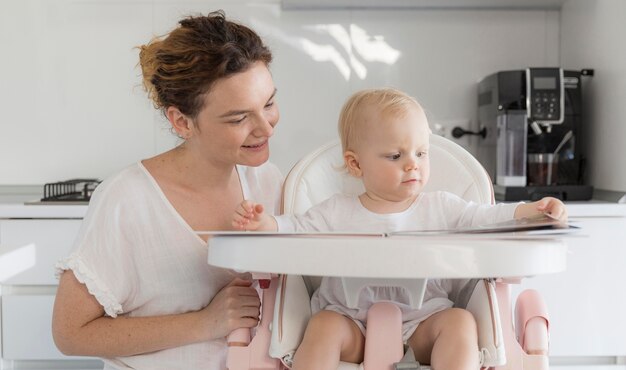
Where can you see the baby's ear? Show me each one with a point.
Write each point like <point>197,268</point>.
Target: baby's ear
<point>352,163</point>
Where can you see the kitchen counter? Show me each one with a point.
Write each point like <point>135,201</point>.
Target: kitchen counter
<point>20,211</point>
<point>595,208</point>
<point>13,199</point>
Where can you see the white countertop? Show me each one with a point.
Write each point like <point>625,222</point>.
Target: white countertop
<point>42,211</point>
<point>12,206</point>
<point>595,209</point>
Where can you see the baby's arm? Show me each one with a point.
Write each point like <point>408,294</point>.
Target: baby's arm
<point>548,205</point>
<point>250,216</point>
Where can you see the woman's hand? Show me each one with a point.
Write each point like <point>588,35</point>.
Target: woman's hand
<point>250,216</point>
<point>237,305</point>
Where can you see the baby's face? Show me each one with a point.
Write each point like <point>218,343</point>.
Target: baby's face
<point>393,156</point>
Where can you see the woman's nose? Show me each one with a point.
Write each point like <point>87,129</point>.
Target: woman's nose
<point>264,127</point>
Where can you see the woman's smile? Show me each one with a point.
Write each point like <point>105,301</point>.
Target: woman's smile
<point>256,147</point>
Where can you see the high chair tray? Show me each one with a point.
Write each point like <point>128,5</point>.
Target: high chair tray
<point>354,255</point>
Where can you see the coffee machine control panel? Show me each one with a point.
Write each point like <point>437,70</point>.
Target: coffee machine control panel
<point>545,100</point>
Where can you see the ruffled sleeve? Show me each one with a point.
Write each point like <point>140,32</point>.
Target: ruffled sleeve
<point>103,255</point>
<point>94,284</point>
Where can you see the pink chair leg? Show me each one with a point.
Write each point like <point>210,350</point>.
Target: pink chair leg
<point>531,322</point>
<point>536,340</point>
<point>254,354</point>
<point>383,339</point>
<point>516,357</point>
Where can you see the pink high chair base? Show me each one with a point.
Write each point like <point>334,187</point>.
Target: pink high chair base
<point>314,179</point>
<point>270,254</point>
<point>252,353</point>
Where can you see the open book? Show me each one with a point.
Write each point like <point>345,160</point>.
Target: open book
<point>541,225</point>
<point>536,225</point>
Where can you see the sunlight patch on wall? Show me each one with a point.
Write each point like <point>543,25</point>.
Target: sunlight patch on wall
<point>349,49</point>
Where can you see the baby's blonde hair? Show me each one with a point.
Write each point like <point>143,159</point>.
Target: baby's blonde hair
<point>386,101</point>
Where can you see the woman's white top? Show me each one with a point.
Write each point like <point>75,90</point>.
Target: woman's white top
<point>430,211</point>
<point>138,257</point>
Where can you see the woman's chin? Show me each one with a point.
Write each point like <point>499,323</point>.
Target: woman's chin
<point>255,160</point>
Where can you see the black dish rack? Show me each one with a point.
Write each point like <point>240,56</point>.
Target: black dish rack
<point>69,190</point>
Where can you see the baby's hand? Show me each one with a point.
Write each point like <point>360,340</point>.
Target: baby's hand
<point>552,207</point>
<point>248,216</point>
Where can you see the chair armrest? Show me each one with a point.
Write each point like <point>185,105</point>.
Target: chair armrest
<point>292,312</point>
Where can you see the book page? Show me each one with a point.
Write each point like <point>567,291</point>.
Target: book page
<point>540,224</point>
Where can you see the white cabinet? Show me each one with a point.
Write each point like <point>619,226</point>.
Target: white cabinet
<point>26,328</point>
<point>29,249</point>
<point>586,303</point>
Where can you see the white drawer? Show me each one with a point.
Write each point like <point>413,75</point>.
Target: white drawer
<point>26,328</point>
<point>29,249</point>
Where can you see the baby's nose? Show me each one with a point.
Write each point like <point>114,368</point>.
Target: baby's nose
<point>411,165</point>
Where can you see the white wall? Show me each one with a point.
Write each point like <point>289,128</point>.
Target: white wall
<point>593,35</point>
<point>72,105</point>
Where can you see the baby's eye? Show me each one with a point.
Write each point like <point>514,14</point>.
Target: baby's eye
<point>421,154</point>
<point>394,157</point>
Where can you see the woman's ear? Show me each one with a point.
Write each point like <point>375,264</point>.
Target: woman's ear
<point>180,122</point>
<point>351,160</point>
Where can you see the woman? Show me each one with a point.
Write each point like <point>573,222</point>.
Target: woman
<point>137,290</point>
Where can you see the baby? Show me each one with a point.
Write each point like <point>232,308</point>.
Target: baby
<point>385,141</point>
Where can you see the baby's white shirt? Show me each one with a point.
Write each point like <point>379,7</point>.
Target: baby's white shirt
<point>430,211</point>
<point>139,257</point>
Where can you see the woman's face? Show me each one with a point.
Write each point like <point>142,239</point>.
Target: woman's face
<point>237,119</point>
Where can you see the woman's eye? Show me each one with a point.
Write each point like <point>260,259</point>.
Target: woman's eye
<point>238,120</point>
<point>269,105</point>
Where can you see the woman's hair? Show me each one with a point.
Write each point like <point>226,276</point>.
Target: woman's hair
<point>362,105</point>
<point>182,66</point>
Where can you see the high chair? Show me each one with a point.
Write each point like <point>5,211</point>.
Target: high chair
<point>286,308</point>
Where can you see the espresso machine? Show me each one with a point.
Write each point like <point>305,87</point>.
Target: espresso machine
<point>532,133</point>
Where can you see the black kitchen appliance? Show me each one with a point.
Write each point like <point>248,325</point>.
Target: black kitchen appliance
<point>525,116</point>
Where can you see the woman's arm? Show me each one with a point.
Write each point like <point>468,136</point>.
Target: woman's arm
<point>548,205</point>
<point>79,326</point>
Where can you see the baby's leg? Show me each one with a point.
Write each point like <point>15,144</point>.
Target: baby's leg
<point>329,338</point>
<point>447,340</point>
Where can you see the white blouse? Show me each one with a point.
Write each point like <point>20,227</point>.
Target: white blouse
<point>138,257</point>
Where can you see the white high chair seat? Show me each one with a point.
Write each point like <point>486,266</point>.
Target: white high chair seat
<point>318,176</point>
